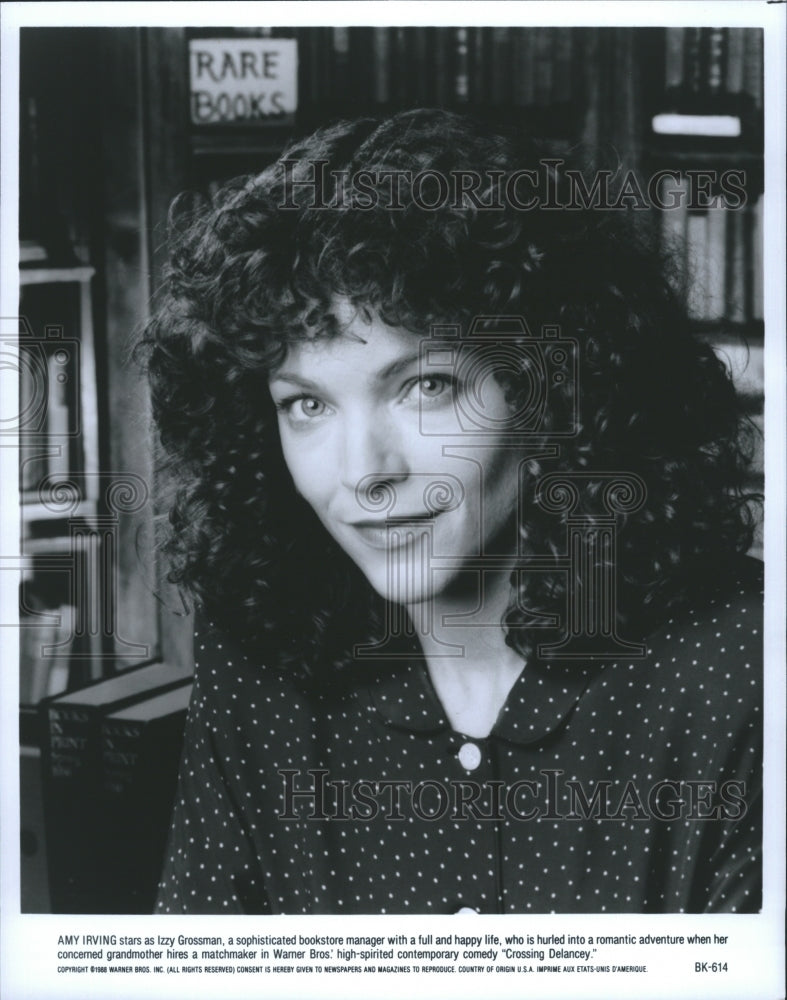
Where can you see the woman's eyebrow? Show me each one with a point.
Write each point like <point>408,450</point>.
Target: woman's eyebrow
<point>294,379</point>
<point>397,366</point>
<point>389,371</point>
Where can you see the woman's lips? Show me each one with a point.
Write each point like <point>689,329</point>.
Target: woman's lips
<point>394,533</point>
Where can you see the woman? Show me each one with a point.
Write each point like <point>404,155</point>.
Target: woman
<point>461,506</point>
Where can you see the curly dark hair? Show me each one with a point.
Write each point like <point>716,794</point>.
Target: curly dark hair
<point>260,269</point>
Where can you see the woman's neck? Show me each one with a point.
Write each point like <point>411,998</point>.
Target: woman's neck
<point>470,666</point>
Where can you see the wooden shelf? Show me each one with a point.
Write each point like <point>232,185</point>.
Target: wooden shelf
<point>52,275</point>
<point>34,510</point>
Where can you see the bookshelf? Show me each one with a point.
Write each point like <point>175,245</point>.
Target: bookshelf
<point>703,90</point>
<point>534,76</point>
<point>58,477</point>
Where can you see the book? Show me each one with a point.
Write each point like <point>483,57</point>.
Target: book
<point>544,66</point>
<point>441,61</point>
<point>696,254</point>
<point>461,67</point>
<point>674,195</point>
<point>418,67</point>
<point>715,42</point>
<point>736,267</point>
<point>33,885</point>
<point>523,66</point>
<point>752,65</point>
<point>733,74</point>
<point>70,733</point>
<point>382,65</point>
<point>673,58</point>
<point>715,260</point>
<point>341,56</point>
<point>479,65</point>
<point>140,755</point>
<point>692,62</point>
<point>757,262</point>
<point>563,65</point>
<point>501,71</point>
<point>399,68</point>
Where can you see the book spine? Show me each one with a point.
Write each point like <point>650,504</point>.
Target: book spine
<point>500,66</point>
<point>70,773</point>
<point>563,65</point>
<point>673,58</point>
<point>696,257</point>
<point>736,267</point>
<point>733,75</point>
<point>362,71</point>
<point>418,61</point>
<point>461,69</point>
<point>382,65</point>
<point>441,42</point>
<point>480,86</point>
<point>692,62</point>
<point>673,228</point>
<point>715,263</point>
<point>753,80</point>
<point>523,66</point>
<point>714,66</point>
<point>757,282</point>
<point>341,61</point>
<point>139,776</point>
<point>399,67</point>
<point>544,70</point>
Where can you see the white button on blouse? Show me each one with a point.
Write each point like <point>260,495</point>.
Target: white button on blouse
<point>469,756</point>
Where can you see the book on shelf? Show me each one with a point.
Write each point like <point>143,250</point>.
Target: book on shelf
<point>713,62</point>
<point>719,253</point>
<point>501,69</point>
<point>696,250</point>
<point>461,70</point>
<point>735,309</point>
<point>544,69</point>
<point>715,41</point>
<point>72,778</point>
<point>382,65</point>
<point>735,58</point>
<point>140,754</point>
<point>715,258</point>
<point>757,262</point>
<point>674,42</point>
<point>523,66</point>
<point>753,65</point>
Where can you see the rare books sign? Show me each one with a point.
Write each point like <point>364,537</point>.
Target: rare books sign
<point>242,80</point>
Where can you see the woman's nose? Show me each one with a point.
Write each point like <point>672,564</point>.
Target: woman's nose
<point>373,452</point>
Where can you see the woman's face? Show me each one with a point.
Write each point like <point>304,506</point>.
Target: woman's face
<point>371,434</point>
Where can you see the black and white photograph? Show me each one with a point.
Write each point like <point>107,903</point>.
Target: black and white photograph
<point>393,500</point>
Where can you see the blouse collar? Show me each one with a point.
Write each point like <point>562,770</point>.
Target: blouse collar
<point>541,700</point>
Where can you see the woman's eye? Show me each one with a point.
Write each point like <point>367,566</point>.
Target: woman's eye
<point>301,409</point>
<point>310,406</point>
<point>428,387</point>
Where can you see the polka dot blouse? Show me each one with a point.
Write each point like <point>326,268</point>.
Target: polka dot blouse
<point>626,786</point>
